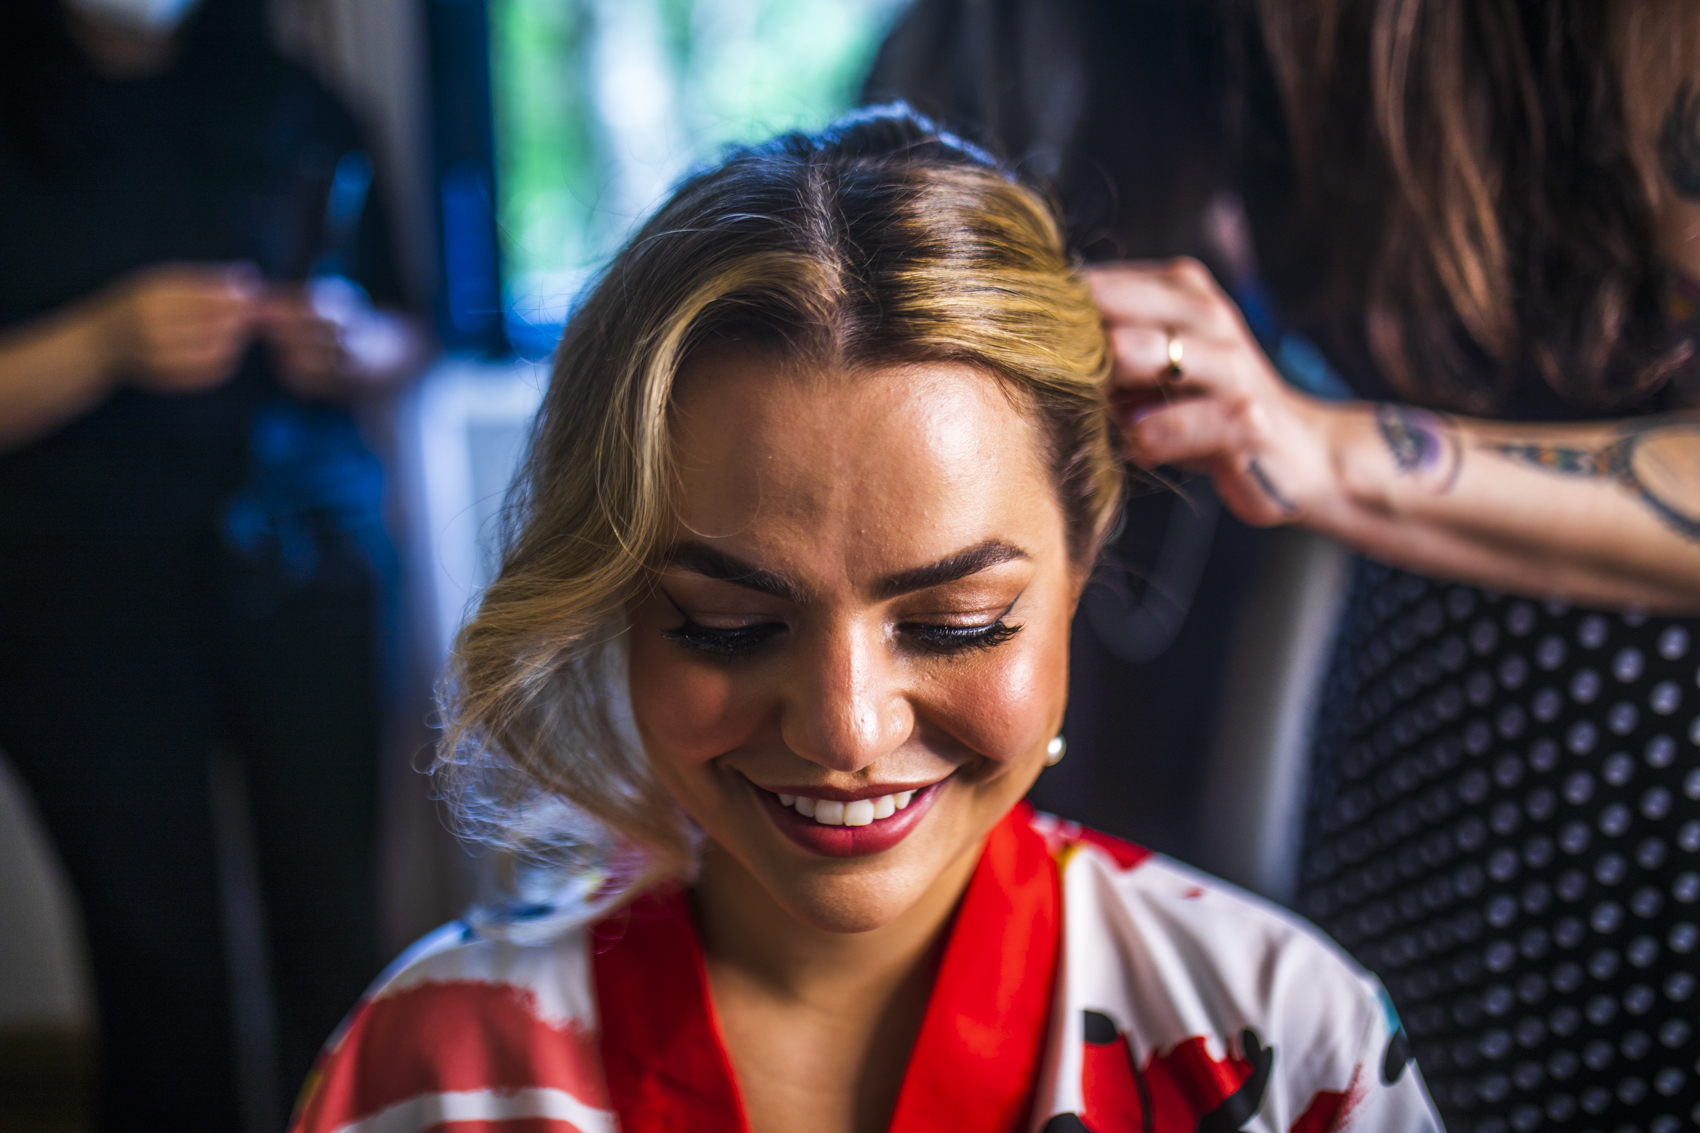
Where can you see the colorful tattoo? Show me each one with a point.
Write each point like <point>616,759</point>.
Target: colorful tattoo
<point>1270,490</point>
<point>1660,464</point>
<point>1421,444</point>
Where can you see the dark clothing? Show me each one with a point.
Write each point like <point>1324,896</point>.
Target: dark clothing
<point>184,573</point>
<point>116,681</point>
<point>1505,825</point>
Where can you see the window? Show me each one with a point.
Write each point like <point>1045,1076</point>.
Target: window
<point>601,105</point>
<point>598,106</point>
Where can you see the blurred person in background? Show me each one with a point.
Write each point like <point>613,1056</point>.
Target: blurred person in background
<point>191,553</point>
<point>1485,219</point>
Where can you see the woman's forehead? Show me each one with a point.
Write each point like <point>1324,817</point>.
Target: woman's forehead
<point>882,466</point>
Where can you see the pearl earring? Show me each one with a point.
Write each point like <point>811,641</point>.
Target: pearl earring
<point>1055,750</point>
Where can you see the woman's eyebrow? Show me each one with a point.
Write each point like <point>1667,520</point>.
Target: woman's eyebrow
<point>960,565</point>
<point>699,558</point>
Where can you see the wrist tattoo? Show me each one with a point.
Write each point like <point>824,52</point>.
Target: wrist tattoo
<point>1659,464</point>
<point>1270,490</point>
<point>1421,444</point>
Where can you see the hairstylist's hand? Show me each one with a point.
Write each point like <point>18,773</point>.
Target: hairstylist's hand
<point>1226,412</point>
<point>327,341</point>
<point>306,345</point>
<point>179,328</point>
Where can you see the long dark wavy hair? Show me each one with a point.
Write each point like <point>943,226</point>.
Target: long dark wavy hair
<point>1457,194</point>
<point>1469,168</point>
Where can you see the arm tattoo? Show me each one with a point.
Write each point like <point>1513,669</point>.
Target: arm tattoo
<point>1421,444</point>
<point>1270,490</point>
<point>1660,464</point>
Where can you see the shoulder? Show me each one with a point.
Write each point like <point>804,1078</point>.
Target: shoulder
<point>1174,907</point>
<point>1186,969</point>
<point>464,1028</point>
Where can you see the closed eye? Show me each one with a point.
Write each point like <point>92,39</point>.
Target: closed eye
<point>734,642</point>
<point>718,641</point>
<point>959,639</point>
<point>730,642</point>
<point>954,640</point>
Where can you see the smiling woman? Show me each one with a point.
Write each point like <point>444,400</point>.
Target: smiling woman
<point>779,642</point>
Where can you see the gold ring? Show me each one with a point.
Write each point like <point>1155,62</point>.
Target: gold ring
<point>1176,352</point>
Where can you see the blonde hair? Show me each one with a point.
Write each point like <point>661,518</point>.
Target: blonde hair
<point>878,241</point>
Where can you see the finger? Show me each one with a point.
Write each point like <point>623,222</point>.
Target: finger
<point>1249,499</point>
<point>195,360</point>
<point>226,335</point>
<point>1172,292</point>
<point>238,281</point>
<point>1201,429</point>
<point>220,337</point>
<point>235,285</point>
<point>280,311</point>
<point>308,360</point>
<point>194,317</point>
<point>243,277</point>
<point>1142,359</point>
<point>308,338</point>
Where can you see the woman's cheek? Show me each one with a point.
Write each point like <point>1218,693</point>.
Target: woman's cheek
<point>1007,706</point>
<point>688,712</point>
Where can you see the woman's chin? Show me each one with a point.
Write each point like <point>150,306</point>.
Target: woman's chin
<point>839,894</point>
<point>862,900</point>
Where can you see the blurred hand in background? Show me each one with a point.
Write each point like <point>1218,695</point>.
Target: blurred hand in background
<point>179,328</point>
<point>327,341</point>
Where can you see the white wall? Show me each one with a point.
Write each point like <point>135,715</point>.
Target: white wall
<point>43,980</point>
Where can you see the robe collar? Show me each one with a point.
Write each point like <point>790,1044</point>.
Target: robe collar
<point>977,1055</point>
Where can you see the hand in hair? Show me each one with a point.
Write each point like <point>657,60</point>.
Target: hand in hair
<point>1226,412</point>
<point>1606,513</point>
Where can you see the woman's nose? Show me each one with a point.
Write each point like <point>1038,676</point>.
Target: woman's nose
<point>846,705</point>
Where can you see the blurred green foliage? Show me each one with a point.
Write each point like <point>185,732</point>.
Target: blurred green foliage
<point>601,104</point>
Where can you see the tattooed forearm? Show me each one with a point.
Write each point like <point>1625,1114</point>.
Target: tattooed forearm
<point>1659,464</point>
<point>1270,490</point>
<point>1422,445</point>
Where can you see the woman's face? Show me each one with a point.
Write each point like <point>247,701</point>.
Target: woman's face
<point>863,613</point>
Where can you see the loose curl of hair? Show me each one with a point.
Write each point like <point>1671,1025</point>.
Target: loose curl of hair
<point>877,241</point>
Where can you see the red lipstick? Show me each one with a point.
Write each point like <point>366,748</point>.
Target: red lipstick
<point>849,841</point>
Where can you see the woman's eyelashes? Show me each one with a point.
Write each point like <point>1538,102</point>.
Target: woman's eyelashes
<point>729,642</point>
<point>950,639</point>
<point>733,642</point>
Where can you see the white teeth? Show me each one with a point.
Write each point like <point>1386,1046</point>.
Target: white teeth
<point>861,812</point>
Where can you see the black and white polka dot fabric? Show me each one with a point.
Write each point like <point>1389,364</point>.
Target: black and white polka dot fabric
<point>1504,824</point>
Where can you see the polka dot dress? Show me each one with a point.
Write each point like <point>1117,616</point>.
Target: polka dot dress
<point>1504,824</point>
